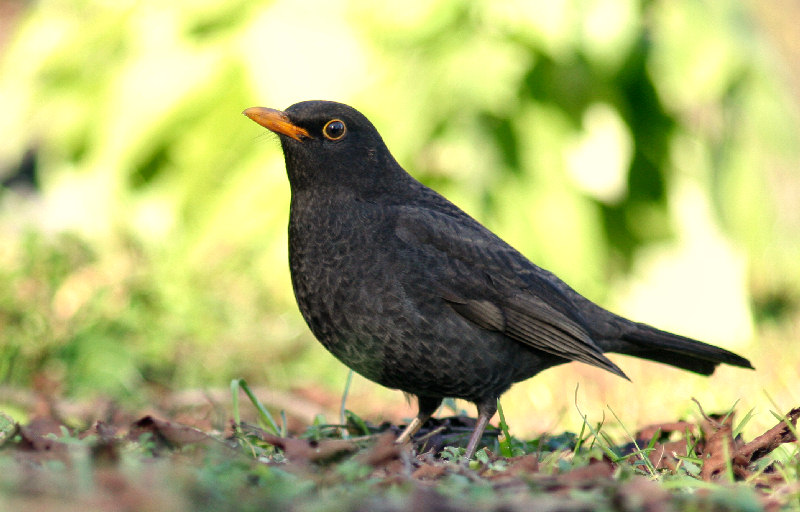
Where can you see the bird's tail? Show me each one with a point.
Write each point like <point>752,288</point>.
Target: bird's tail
<point>647,342</point>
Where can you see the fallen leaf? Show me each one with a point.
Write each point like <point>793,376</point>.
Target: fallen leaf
<point>522,465</point>
<point>429,472</point>
<point>36,435</point>
<point>639,493</point>
<point>302,450</point>
<point>166,434</point>
<point>646,434</point>
<point>718,449</point>
<point>771,439</point>
<point>384,451</point>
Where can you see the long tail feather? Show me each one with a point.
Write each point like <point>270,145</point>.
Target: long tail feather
<point>650,343</point>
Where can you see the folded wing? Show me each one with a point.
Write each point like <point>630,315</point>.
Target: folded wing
<point>492,285</point>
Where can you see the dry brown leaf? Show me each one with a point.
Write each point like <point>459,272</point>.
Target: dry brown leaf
<point>304,450</point>
<point>639,493</point>
<point>738,454</point>
<point>429,472</point>
<point>596,469</point>
<point>384,451</point>
<point>718,449</point>
<point>665,455</point>
<point>36,435</point>
<point>166,433</point>
<point>771,439</point>
<point>645,434</point>
<point>525,464</point>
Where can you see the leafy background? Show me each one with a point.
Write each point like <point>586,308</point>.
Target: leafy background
<point>648,152</point>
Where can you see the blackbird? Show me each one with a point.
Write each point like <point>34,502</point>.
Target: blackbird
<point>411,292</point>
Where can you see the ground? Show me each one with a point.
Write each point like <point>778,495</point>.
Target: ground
<point>106,457</point>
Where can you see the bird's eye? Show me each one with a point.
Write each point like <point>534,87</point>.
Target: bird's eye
<point>334,130</point>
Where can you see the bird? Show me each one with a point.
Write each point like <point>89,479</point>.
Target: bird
<point>411,292</point>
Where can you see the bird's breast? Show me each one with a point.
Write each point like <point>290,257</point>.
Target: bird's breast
<point>338,258</point>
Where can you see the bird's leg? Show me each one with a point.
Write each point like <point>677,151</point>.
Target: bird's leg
<point>486,410</point>
<point>412,428</point>
<point>427,406</point>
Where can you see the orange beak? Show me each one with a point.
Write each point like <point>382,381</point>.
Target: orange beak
<point>276,121</point>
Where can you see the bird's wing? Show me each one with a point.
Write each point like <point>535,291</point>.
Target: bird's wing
<point>488,282</point>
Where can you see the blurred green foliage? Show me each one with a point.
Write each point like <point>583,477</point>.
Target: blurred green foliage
<point>146,247</point>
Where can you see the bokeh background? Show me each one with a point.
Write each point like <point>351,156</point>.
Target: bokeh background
<point>648,152</point>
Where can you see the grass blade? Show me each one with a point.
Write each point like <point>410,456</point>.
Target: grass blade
<point>343,407</point>
<point>263,413</point>
<point>505,441</point>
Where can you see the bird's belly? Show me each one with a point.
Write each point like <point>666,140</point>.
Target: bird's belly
<point>409,341</point>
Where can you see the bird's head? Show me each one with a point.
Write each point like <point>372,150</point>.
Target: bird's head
<point>328,143</point>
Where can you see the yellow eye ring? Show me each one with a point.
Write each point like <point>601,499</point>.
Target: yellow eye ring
<point>334,129</point>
